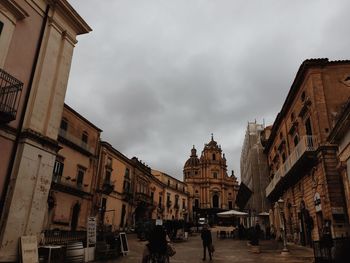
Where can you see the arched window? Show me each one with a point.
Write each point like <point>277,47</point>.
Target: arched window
<point>214,157</point>
<point>215,201</point>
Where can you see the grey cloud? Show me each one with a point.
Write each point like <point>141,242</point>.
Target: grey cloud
<point>160,76</point>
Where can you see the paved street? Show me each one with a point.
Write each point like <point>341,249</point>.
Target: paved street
<point>227,250</point>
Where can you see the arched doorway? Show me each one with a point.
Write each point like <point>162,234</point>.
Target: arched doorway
<point>75,216</point>
<point>215,201</point>
<point>140,213</point>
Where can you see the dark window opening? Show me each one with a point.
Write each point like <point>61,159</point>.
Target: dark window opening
<point>80,177</point>
<point>308,127</point>
<point>84,137</point>
<point>108,176</point>
<point>57,171</point>
<point>196,203</point>
<point>230,205</point>
<point>64,124</point>
<point>1,26</point>
<point>214,157</point>
<point>215,201</point>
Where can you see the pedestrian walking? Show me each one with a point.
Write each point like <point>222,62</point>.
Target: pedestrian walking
<point>207,241</point>
<point>156,249</point>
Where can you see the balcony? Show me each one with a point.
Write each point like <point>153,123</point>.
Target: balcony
<point>75,140</point>
<point>144,198</point>
<point>107,187</point>
<point>10,93</point>
<point>69,185</point>
<point>302,152</point>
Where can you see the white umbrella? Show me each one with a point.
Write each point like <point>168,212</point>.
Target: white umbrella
<point>231,213</point>
<point>264,214</point>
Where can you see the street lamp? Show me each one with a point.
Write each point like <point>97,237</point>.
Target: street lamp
<point>285,250</point>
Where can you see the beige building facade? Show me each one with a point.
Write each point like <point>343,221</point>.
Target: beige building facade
<point>71,194</point>
<point>114,189</point>
<point>254,174</point>
<point>340,136</point>
<point>34,76</point>
<point>210,188</point>
<point>174,195</point>
<point>303,163</point>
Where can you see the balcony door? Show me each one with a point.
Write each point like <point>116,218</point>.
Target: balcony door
<point>75,216</point>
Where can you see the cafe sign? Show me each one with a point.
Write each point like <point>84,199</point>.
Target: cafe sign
<point>317,202</point>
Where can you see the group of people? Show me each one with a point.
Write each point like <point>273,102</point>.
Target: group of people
<point>158,249</point>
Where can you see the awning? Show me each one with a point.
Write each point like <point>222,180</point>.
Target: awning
<point>243,195</point>
<point>231,213</point>
<point>264,214</point>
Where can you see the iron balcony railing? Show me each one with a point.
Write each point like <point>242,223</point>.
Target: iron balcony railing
<point>10,93</point>
<point>306,144</point>
<point>77,141</point>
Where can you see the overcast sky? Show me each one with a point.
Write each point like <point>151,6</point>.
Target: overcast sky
<point>160,76</point>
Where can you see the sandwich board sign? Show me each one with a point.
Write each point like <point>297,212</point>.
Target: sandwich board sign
<point>123,243</point>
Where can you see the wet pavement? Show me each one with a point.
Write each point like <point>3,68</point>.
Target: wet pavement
<point>226,250</point>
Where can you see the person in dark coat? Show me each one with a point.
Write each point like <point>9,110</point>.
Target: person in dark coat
<point>207,241</point>
<point>156,249</point>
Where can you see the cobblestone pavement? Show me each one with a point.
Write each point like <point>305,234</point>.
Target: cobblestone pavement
<point>226,250</point>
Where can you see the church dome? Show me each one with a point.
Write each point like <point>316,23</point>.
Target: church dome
<point>193,161</point>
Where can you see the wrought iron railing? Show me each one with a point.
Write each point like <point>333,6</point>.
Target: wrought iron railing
<point>332,251</point>
<point>10,93</point>
<point>306,144</point>
<point>62,237</point>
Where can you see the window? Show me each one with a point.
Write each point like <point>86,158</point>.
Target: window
<point>152,196</point>
<point>183,204</point>
<point>176,186</point>
<point>303,95</point>
<point>109,162</point>
<point>126,186</point>
<point>168,182</point>
<point>84,137</point>
<point>230,205</point>
<point>215,175</point>
<point>57,171</point>
<point>64,124</point>
<point>160,200</point>
<point>1,26</point>
<point>176,202</point>
<point>196,203</point>
<point>80,176</point>
<point>127,173</point>
<point>108,176</point>
<point>215,201</point>
<point>214,157</point>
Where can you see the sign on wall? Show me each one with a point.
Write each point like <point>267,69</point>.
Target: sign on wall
<point>317,202</point>
<point>91,231</point>
<point>29,249</point>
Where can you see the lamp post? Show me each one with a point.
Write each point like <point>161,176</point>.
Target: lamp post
<point>285,250</point>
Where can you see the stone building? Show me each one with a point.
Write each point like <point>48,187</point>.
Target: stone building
<point>303,163</point>
<point>174,195</point>
<point>143,202</point>
<point>210,188</point>
<point>37,39</point>
<point>254,173</point>
<point>73,182</point>
<point>340,135</point>
<point>114,191</point>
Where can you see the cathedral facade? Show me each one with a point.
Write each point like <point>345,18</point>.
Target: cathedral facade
<point>211,189</point>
